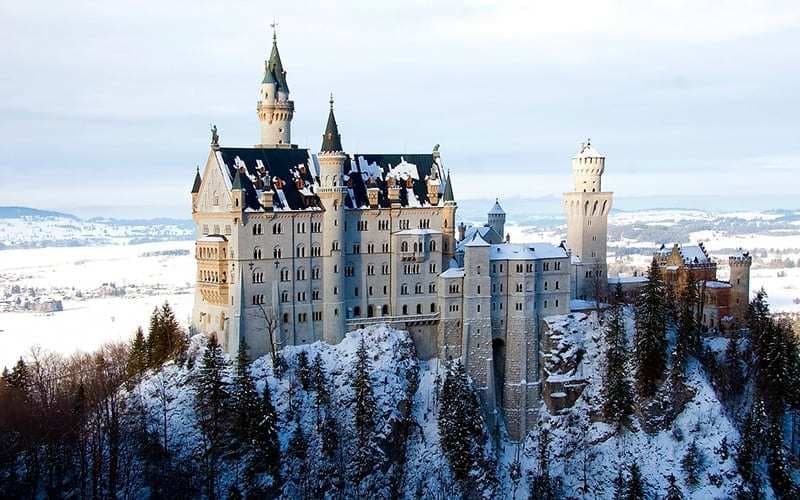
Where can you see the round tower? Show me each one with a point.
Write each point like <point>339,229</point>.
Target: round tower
<point>587,169</point>
<point>274,109</point>
<point>331,193</point>
<point>740,264</point>
<point>497,219</point>
<point>449,222</point>
<point>587,208</point>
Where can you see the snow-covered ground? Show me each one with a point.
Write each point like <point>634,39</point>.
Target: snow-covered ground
<point>148,274</point>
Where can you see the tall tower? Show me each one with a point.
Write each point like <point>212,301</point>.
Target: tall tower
<point>587,209</point>
<point>331,194</point>
<point>275,110</point>
<point>497,219</point>
<point>740,264</point>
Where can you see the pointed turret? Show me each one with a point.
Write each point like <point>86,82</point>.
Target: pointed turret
<point>275,109</point>
<point>197,181</point>
<point>448,190</point>
<point>331,139</point>
<point>274,70</point>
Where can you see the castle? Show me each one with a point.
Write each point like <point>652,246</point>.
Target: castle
<point>295,247</point>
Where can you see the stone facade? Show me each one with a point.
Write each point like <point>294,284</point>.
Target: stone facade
<point>295,247</point>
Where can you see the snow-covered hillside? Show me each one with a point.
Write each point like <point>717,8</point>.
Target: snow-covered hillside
<point>585,454</point>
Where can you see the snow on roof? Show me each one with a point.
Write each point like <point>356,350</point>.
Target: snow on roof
<point>213,238</point>
<point>717,284</point>
<point>588,151</point>
<point>419,231</point>
<point>528,251</point>
<point>496,209</point>
<point>477,241</point>
<point>613,280</point>
<point>694,254</point>
<point>453,272</point>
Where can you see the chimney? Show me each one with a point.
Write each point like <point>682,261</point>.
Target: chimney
<point>372,196</point>
<point>462,229</point>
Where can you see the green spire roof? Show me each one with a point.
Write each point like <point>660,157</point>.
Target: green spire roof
<point>448,189</point>
<point>331,139</point>
<point>237,181</point>
<point>274,72</point>
<point>197,181</point>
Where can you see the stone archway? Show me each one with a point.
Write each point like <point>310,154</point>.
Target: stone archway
<point>499,364</point>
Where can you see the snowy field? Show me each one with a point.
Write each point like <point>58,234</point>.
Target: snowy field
<point>74,275</point>
<point>151,273</point>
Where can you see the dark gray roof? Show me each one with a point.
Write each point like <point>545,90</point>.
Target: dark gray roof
<point>281,163</point>
<point>237,181</point>
<point>448,189</point>
<point>358,179</point>
<point>275,69</point>
<point>331,139</point>
<point>197,181</point>
<point>291,166</point>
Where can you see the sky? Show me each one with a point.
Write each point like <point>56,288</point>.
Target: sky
<point>106,106</point>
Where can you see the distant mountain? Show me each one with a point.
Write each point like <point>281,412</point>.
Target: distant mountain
<point>16,212</point>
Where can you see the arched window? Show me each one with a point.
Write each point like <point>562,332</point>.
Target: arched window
<point>404,246</point>
<point>385,310</point>
<point>405,310</point>
<point>285,317</point>
<point>284,274</point>
<point>257,253</point>
<point>419,308</point>
<point>370,311</point>
<point>433,307</point>
<point>301,274</point>
<point>300,250</point>
<point>356,312</point>
<point>277,253</point>
<point>433,246</point>
<point>284,296</point>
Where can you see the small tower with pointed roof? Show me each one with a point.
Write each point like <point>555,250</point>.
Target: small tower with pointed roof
<point>497,219</point>
<point>331,193</point>
<point>275,110</point>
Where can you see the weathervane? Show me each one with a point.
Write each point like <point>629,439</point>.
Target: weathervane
<point>274,26</point>
<point>331,101</point>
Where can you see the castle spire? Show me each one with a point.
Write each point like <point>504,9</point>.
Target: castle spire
<point>448,189</point>
<point>274,71</point>
<point>331,139</point>
<point>197,181</point>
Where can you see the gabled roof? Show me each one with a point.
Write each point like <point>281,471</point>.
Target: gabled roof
<point>690,254</point>
<point>477,241</point>
<point>527,251</point>
<point>197,181</point>
<point>297,171</point>
<point>381,170</point>
<point>487,233</point>
<point>285,166</point>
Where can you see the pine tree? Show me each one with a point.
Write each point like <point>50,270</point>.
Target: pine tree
<point>245,402</point>
<point>617,394</point>
<point>541,485</point>
<point>303,370</point>
<point>779,470</point>
<point>673,490</point>
<point>20,379</point>
<point>751,445</point>
<point>650,341</point>
<point>734,381</point>
<point>319,382</point>
<point>686,338</point>
<point>330,477</point>
<point>634,488</point>
<point>154,342</point>
<point>366,452</point>
<point>211,407</point>
<point>265,458</point>
<point>461,425</point>
<point>692,464</point>
<point>137,359</point>
<point>296,453</point>
<point>620,482</point>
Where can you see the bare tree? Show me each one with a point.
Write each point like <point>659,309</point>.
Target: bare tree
<point>598,283</point>
<point>161,385</point>
<point>271,323</point>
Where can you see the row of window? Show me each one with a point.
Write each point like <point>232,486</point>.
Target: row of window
<point>528,268</point>
<point>418,246</point>
<point>371,312</point>
<point>277,228</point>
<point>210,253</point>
